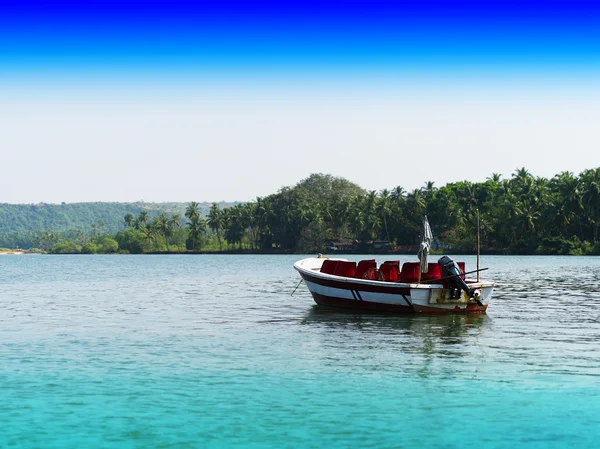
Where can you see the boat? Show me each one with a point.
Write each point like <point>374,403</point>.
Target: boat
<point>413,287</point>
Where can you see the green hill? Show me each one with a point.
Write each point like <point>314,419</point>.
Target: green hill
<point>20,223</point>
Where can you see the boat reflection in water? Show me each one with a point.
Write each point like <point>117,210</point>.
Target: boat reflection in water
<point>412,343</point>
<point>448,328</point>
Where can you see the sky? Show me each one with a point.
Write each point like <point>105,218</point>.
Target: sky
<point>227,101</point>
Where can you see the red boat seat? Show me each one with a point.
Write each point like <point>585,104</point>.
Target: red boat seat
<point>410,272</point>
<point>434,271</point>
<point>329,266</point>
<point>390,270</point>
<point>366,269</point>
<point>345,269</point>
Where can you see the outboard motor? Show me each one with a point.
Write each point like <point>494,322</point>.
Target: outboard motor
<point>452,271</point>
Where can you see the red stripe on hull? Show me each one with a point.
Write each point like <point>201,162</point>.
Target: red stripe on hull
<point>331,301</point>
<point>361,287</point>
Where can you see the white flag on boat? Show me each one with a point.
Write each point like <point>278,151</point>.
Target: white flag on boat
<point>425,245</point>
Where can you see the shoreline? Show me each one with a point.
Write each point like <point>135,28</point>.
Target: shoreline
<point>275,253</point>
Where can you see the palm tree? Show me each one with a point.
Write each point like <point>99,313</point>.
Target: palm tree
<point>164,226</point>
<point>384,206</point>
<point>568,201</point>
<point>522,182</point>
<point>417,203</point>
<point>129,220</point>
<point>192,210</point>
<point>398,194</point>
<point>175,221</point>
<point>528,218</point>
<point>428,187</point>
<point>195,225</point>
<point>372,223</point>
<point>337,216</point>
<point>195,229</point>
<point>265,220</point>
<point>249,222</point>
<point>80,237</point>
<point>47,239</point>
<point>560,215</point>
<point>356,215</point>
<point>141,221</point>
<point>215,221</point>
<point>591,198</point>
<point>142,224</point>
<point>234,228</point>
<point>511,211</point>
<point>521,174</point>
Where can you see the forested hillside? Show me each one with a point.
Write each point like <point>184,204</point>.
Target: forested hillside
<point>524,214</point>
<point>22,224</point>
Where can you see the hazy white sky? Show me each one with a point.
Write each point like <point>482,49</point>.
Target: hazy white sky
<point>178,101</point>
<point>169,142</point>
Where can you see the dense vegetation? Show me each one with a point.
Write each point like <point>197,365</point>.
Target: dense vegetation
<point>521,215</point>
<point>30,225</point>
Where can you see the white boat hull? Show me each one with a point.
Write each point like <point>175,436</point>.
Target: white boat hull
<point>338,291</point>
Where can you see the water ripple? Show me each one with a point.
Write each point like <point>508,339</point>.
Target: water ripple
<point>212,351</point>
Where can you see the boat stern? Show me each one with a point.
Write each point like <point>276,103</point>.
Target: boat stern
<point>426,298</point>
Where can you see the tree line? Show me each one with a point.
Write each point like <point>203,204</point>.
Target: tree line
<point>41,225</point>
<point>523,214</point>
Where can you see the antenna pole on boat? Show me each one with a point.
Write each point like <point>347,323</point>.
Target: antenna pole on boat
<point>478,247</point>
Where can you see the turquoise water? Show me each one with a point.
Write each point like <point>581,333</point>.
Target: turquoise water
<point>213,352</point>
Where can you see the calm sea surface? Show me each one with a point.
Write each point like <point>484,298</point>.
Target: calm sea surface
<point>213,352</point>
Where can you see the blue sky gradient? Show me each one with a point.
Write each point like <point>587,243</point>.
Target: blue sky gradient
<point>325,36</point>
